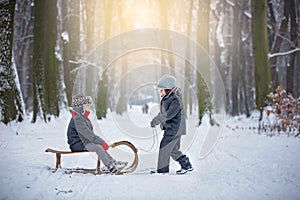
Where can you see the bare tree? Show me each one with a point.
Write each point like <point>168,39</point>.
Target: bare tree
<point>23,39</point>
<point>46,71</point>
<point>102,100</point>
<point>235,71</point>
<point>260,51</point>
<point>203,40</point>
<point>70,34</point>
<point>10,97</point>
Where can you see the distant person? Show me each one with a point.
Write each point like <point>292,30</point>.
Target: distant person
<point>171,119</point>
<point>145,108</point>
<point>81,136</point>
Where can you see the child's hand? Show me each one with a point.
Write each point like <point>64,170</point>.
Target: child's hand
<point>105,146</point>
<point>152,124</point>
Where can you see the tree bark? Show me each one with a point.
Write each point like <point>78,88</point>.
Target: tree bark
<point>260,51</point>
<point>71,27</point>
<point>23,38</point>
<point>46,81</point>
<point>166,56</point>
<point>235,60</point>
<point>10,96</point>
<point>203,40</point>
<point>90,70</point>
<point>290,75</point>
<point>102,100</point>
<point>188,55</point>
<point>277,43</point>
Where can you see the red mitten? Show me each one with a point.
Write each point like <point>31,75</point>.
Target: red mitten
<point>105,146</point>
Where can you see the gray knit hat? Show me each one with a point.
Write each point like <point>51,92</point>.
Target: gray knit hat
<point>166,82</point>
<point>78,101</point>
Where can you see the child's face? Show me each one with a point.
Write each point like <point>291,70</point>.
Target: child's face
<point>162,92</point>
<point>87,107</point>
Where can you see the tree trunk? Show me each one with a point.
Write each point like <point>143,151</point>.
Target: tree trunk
<point>245,65</point>
<point>277,43</point>
<point>166,56</point>
<point>297,61</point>
<point>46,81</point>
<point>187,56</point>
<point>290,75</point>
<point>271,23</point>
<point>122,100</point>
<point>235,60</point>
<point>203,40</point>
<point>102,100</point>
<point>90,70</point>
<point>260,51</point>
<point>10,102</point>
<point>23,31</point>
<point>71,45</point>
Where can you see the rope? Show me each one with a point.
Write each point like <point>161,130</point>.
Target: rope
<point>155,141</point>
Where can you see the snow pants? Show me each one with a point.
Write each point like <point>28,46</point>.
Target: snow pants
<point>169,147</point>
<point>102,154</point>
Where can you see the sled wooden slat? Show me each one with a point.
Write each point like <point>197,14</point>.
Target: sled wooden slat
<point>59,153</point>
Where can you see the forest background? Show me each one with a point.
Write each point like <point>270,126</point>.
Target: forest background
<point>46,47</point>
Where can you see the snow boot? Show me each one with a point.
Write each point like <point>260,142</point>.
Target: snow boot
<point>117,166</point>
<point>185,164</point>
<point>158,172</point>
<point>183,171</point>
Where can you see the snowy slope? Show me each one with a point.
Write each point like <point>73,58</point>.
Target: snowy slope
<point>243,165</point>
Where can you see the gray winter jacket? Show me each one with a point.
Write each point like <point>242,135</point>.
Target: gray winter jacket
<point>172,115</point>
<point>80,132</point>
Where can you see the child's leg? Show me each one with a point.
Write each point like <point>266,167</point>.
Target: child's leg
<point>102,154</point>
<point>166,146</point>
<point>176,153</point>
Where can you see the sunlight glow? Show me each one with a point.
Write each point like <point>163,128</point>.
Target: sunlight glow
<point>140,14</point>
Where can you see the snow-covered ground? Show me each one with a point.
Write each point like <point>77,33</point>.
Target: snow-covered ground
<point>243,164</point>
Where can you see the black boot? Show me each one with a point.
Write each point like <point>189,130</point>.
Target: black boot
<point>185,164</point>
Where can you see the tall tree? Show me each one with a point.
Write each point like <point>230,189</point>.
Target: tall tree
<point>203,40</point>
<point>71,43</point>
<point>290,79</point>
<point>90,70</point>
<point>46,72</point>
<point>103,82</point>
<point>235,72</point>
<point>23,38</point>
<point>122,100</point>
<point>188,55</point>
<point>166,57</point>
<point>260,51</point>
<point>10,97</point>
<point>246,66</point>
<point>275,48</point>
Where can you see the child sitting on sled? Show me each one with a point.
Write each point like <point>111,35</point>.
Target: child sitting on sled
<point>81,136</point>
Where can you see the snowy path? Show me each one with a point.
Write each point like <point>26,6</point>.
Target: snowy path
<point>243,165</point>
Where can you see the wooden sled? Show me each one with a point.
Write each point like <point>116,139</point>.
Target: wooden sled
<point>97,170</point>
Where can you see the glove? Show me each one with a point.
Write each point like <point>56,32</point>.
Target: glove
<point>105,146</point>
<point>152,124</point>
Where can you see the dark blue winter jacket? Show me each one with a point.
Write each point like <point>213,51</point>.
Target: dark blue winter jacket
<point>80,132</point>
<point>172,115</point>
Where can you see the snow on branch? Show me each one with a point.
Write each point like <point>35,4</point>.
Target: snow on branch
<point>230,3</point>
<point>283,53</point>
<point>84,64</point>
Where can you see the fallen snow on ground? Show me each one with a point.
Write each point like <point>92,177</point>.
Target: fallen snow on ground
<point>243,164</point>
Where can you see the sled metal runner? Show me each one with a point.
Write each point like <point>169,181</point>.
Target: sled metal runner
<point>97,170</point>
